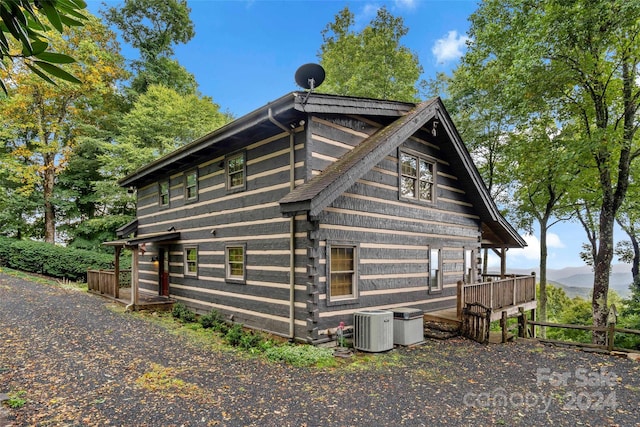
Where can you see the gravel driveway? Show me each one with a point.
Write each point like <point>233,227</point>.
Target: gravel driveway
<point>79,363</point>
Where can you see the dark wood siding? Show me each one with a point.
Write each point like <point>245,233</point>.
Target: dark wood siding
<point>218,217</point>
<point>393,235</point>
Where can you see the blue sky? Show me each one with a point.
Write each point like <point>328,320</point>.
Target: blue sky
<point>245,54</point>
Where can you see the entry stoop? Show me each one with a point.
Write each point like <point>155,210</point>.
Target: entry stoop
<point>442,324</point>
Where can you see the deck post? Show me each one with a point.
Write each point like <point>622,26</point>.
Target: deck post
<point>503,323</point>
<point>522,323</point>
<point>134,278</point>
<point>459,300</point>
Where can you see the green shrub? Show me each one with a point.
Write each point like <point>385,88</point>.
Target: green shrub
<point>182,313</point>
<point>300,355</point>
<point>51,260</point>
<point>234,335</point>
<point>211,320</point>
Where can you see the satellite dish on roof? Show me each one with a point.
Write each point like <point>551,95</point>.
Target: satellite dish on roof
<point>310,76</point>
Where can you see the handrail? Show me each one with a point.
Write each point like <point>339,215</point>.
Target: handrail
<point>496,294</point>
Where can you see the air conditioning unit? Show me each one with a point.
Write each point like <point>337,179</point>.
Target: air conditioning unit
<point>373,330</point>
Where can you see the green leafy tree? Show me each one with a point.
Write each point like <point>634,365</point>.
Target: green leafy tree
<point>160,121</point>
<point>42,123</point>
<point>581,57</point>
<point>23,35</point>
<point>371,63</point>
<point>541,183</point>
<point>154,27</point>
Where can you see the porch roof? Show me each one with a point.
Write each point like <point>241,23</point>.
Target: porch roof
<point>146,238</point>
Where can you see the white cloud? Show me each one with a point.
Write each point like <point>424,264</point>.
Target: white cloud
<point>449,48</point>
<point>406,4</point>
<point>553,241</point>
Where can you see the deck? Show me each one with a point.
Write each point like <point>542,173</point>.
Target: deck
<point>508,294</point>
<point>109,285</point>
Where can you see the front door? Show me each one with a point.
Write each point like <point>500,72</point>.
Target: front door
<point>164,272</point>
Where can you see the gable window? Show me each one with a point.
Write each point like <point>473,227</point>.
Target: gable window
<point>236,263</point>
<point>191,185</point>
<point>191,261</point>
<point>342,275</point>
<point>164,193</point>
<point>435,276</point>
<point>236,172</point>
<point>416,177</point>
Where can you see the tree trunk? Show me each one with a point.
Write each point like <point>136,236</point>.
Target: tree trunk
<point>49,209</point>
<point>542,302</point>
<point>601,269</point>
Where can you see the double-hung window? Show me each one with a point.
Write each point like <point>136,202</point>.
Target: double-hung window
<point>164,193</point>
<point>191,261</point>
<point>235,263</point>
<point>342,275</point>
<point>236,171</point>
<point>191,185</point>
<point>416,177</point>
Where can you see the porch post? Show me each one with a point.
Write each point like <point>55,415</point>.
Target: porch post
<point>116,279</point>
<point>134,277</point>
<point>503,262</point>
<point>459,300</point>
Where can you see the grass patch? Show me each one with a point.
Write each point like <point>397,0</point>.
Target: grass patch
<point>301,355</point>
<point>16,399</point>
<point>43,280</point>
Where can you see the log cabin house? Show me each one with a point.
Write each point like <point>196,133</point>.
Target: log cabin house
<point>311,208</point>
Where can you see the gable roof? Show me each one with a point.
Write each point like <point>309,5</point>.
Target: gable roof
<point>320,191</point>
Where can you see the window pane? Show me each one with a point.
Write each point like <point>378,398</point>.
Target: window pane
<point>408,187</point>
<point>191,179</point>
<point>235,262</point>
<point>235,171</point>
<point>425,190</point>
<point>434,269</point>
<point>426,171</point>
<point>409,164</point>
<point>164,193</point>
<point>342,270</point>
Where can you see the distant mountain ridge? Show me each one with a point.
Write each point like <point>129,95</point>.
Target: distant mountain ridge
<point>578,281</point>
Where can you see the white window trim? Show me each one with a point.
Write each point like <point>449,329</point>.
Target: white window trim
<point>355,294</point>
<point>186,261</point>
<point>230,157</point>
<point>186,186</point>
<point>227,268</point>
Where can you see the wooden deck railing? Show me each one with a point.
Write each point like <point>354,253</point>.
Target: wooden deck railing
<point>498,294</point>
<point>104,281</point>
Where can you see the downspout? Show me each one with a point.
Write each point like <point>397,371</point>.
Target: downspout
<point>292,230</point>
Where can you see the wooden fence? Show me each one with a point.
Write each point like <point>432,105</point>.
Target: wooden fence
<point>104,281</point>
<point>610,331</point>
<point>476,321</point>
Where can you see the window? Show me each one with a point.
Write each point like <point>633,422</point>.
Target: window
<point>342,272</point>
<point>164,193</point>
<point>435,277</point>
<point>236,263</point>
<point>468,266</point>
<point>191,261</point>
<point>236,172</point>
<point>416,177</point>
<point>191,185</point>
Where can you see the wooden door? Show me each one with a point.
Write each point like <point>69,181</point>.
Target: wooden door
<point>164,272</point>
